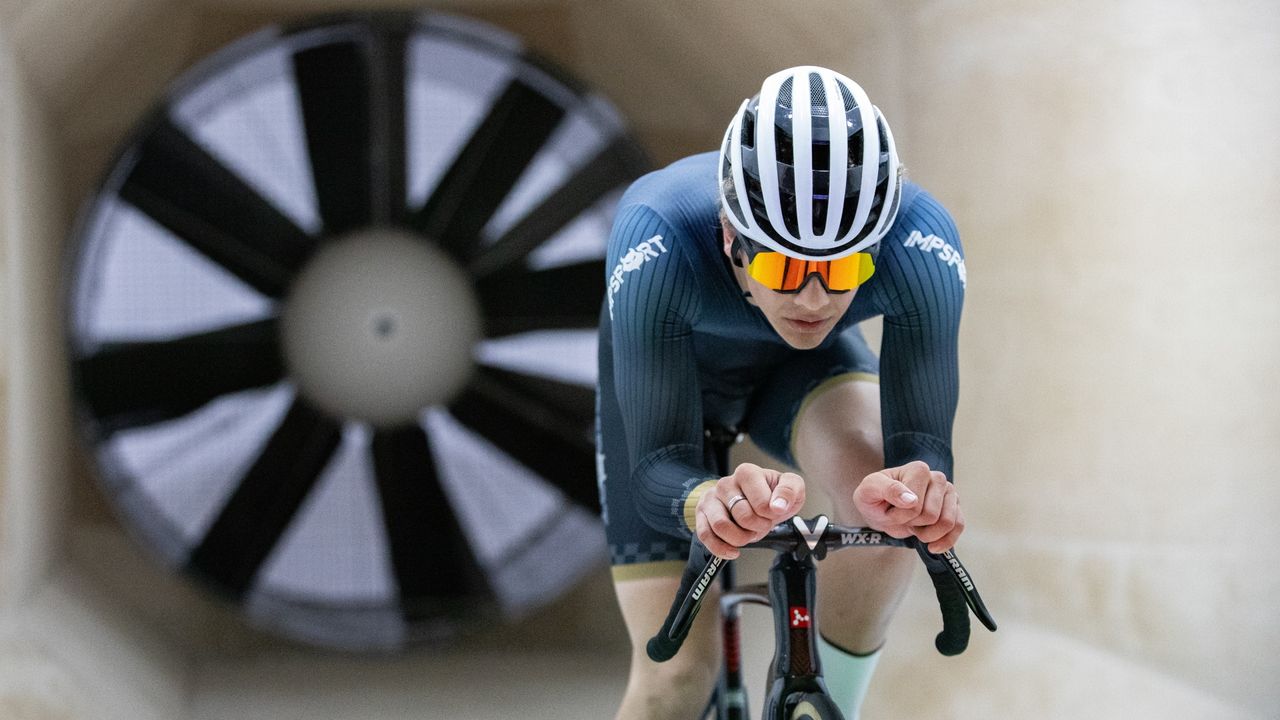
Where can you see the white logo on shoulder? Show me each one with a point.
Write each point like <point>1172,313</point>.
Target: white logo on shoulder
<point>635,259</point>
<point>943,249</point>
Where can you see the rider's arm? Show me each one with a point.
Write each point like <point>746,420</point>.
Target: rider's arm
<point>921,290</point>
<point>653,302</point>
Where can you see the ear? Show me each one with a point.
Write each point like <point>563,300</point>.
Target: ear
<point>727,236</point>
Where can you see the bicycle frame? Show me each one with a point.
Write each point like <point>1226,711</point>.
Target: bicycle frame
<point>796,667</point>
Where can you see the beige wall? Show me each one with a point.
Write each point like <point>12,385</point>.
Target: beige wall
<point>1113,170</point>
<point>33,475</point>
<point>66,650</point>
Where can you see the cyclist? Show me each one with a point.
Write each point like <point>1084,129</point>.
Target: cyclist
<point>736,282</point>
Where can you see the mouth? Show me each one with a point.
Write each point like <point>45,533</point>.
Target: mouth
<point>807,325</point>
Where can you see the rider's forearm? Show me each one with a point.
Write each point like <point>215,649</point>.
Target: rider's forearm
<point>668,483</point>
<point>922,296</point>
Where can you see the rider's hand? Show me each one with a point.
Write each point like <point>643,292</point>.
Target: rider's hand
<point>912,500</point>
<point>769,496</point>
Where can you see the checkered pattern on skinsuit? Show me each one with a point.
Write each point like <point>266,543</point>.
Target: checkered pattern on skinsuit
<point>629,553</point>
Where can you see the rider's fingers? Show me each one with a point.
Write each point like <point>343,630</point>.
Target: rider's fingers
<point>915,475</point>
<point>753,483</point>
<point>718,547</point>
<point>749,520</point>
<point>946,520</point>
<point>787,497</point>
<point>903,490</point>
<point>723,526</point>
<point>882,487</point>
<point>901,499</point>
<point>751,512</point>
<point>935,496</point>
<point>948,541</point>
<point>904,515</point>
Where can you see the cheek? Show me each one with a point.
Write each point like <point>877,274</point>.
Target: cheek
<point>764,297</point>
<point>770,303</point>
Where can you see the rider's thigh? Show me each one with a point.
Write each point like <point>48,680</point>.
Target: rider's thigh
<point>837,441</point>
<point>679,687</point>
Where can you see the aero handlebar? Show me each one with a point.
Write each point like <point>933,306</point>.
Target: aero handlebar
<point>956,592</point>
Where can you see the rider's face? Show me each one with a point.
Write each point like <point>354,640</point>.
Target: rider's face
<point>802,319</point>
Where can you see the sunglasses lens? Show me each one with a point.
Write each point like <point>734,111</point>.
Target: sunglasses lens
<point>783,274</point>
<point>769,269</point>
<point>851,271</point>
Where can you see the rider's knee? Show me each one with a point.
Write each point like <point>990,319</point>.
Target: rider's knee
<point>853,453</point>
<point>857,445</point>
<point>862,446</point>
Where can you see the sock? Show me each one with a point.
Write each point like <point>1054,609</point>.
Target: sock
<point>848,676</point>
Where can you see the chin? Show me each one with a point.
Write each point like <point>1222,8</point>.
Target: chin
<point>803,341</point>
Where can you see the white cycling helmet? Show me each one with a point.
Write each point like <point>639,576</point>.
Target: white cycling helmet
<point>798,144</point>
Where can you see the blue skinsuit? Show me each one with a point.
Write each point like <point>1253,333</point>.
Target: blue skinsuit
<point>680,348</point>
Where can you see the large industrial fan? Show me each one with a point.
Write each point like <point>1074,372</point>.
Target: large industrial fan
<point>332,326</point>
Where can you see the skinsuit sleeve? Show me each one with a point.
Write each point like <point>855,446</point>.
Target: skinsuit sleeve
<point>922,295</point>
<point>652,305</point>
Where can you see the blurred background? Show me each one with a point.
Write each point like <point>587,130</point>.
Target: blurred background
<point>1113,170</point>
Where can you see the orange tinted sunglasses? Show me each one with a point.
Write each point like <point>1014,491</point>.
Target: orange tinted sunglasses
<point>788,275</point>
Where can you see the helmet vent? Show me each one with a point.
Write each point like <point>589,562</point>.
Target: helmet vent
<point>782,146</point>
<point>817,96</point>
<point>849,103</point>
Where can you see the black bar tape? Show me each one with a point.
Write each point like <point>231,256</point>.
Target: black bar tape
<point>698,575</point>
<point>954,637</point>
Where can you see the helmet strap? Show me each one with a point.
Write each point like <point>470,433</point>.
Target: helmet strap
<point>736,248</point>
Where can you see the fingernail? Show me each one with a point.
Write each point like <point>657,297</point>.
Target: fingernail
<point>780,504</point>
<point>908,497</point>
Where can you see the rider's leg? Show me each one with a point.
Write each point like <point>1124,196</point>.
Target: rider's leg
<point>848,676</point>
<point>677,689</point>
<point>836,442</point>
<point>646,573</point>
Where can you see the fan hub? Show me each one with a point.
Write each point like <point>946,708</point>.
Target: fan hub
<point>379,325</point>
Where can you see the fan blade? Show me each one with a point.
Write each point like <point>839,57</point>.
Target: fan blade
<point>390,58</point>
<point>336,96</point>
<point>567,405</point>
<point>433,561</point>
<point>520,300</point>
<point>517,126</point>
<point>185,189</point>
<point>615,164</point>
<point>251,523</point>
<point>561,451</point>
<point>142,383</point>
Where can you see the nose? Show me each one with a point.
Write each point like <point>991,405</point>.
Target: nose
<point>813,296</point>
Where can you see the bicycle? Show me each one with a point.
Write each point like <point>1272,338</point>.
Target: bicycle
<point>798,690</point>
